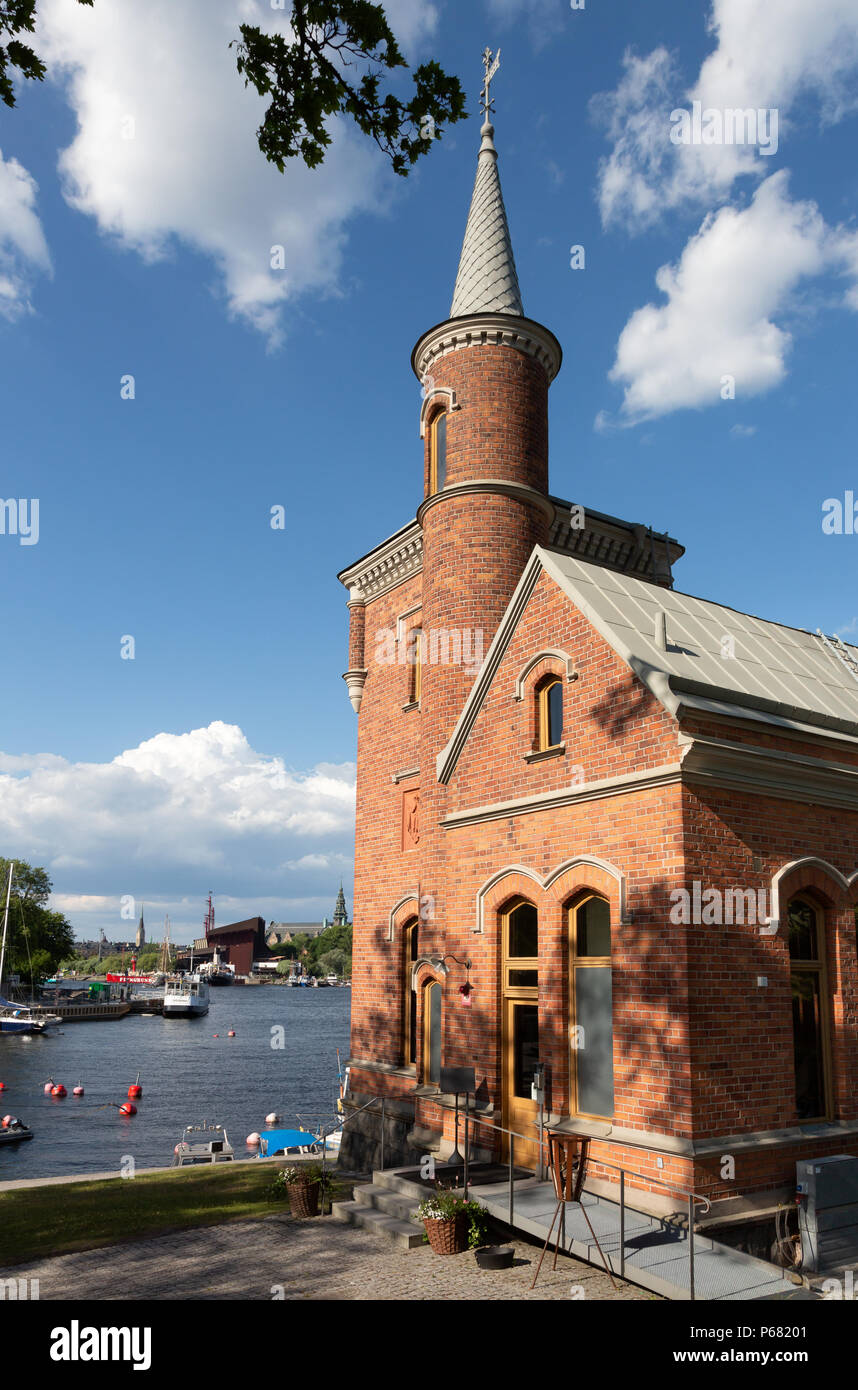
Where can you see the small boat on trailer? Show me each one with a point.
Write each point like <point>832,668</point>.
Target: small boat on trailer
<point>203,1144</point>
<point>15,1132</point>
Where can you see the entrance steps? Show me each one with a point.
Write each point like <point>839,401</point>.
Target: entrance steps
<point>385,1206</point>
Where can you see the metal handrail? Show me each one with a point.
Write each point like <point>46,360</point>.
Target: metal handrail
<point>692,1197</point>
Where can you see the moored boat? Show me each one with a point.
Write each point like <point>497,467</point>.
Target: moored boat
<point>14,1132</point>
<point>203,1143</point>
<point>186,996</point>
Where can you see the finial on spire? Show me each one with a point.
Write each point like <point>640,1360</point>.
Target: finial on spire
<point>490,67</point>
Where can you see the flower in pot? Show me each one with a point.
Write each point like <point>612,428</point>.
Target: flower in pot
<point>303,1185</point>
<point>451,1223</point>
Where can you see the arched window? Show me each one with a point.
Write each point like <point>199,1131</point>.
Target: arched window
<point>591,1007</point>
<point>410,954</point>
<point>432,1034</point>
<point>437,452</point>
<point>809,1009</point>
<point>415,651</point>
<point>549,698</point>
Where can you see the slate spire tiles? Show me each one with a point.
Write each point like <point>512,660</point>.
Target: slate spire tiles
<point>487,282</point>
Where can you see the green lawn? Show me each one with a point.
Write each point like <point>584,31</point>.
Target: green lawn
<point>41,1221</point>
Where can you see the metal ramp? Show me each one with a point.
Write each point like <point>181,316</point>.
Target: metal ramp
<point>655,1252</point>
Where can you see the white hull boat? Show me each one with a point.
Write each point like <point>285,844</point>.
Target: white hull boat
<point>186,997</point>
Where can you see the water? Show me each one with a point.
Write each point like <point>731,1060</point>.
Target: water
<point>186,1073</point>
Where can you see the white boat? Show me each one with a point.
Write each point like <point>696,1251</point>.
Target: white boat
<point>202,1144</point>
<point>186,996</point>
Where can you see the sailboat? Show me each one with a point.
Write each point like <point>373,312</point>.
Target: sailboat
<point>18,1018</point>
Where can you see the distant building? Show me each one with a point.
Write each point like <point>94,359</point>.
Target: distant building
<point>281,932</point>
<point>140,940</point>
<point>238,944</point>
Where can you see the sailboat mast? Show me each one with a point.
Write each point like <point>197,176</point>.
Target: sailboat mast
<point>6,920</point>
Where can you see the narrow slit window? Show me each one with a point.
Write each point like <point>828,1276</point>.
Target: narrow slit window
<point>438,453</point>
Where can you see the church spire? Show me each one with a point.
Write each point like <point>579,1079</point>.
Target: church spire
<point>340,915</point>
<point>487,282</point>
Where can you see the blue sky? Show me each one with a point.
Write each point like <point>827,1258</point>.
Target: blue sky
<point>150,256</point>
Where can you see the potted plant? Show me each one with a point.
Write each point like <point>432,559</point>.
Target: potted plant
<point>303,1186</point>
<point>451,1223</point>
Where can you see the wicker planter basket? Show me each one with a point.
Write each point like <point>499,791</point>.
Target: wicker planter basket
<point>304,1198</point>
<point>448,1237</point>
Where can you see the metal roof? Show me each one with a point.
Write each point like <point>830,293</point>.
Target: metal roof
<point>714,654</point>
<point>487,280</point>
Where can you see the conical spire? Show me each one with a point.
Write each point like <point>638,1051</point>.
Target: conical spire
<point>487,282</point>
<point>340,914</point>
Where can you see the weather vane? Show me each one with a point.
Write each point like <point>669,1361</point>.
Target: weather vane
<point>490,69</point>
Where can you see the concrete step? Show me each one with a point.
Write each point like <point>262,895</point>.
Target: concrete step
<point>390,1181</point>
<point>406,1234</point>
<point>384,1199</point>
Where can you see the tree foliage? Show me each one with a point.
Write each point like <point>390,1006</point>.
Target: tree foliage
<point>308,77</point>
<point>38,939</point>
<point>331,63</point>
<point>18,17</point>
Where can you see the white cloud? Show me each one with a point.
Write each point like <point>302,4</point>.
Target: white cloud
<point>733,276</point>
<point>23,249</point>
<point>743,431</point>
<point>188,170</point>
<point>177,814</point>
<point>758,62</point>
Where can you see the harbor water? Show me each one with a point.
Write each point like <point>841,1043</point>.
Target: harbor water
<point>187,1074</point>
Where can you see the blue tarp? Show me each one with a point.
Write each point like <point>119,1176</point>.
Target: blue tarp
<point>273,1140</point>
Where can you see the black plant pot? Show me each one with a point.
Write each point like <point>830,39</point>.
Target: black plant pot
<point>495,1256</point>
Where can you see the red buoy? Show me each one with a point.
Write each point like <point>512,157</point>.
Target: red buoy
<point>78,1090</point>
<point>127,1108</point>
<point>135,1091</point>
<point>231,1033</point>
<point>59,1090</point>
<point>2,1085</point>
<point>6,1121</point>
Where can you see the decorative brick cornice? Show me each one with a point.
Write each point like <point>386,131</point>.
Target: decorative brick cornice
<point>488,330</point>
<point>391,563</point>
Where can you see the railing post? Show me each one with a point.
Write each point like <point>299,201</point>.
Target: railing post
<point>467,1137</point>
<point>382,1134</point>
<point>324,1155</point>
<point>511,1168</point>
<point>691,1247</point>
<point>622,1223</point>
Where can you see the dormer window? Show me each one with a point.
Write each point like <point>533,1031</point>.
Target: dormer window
<point>437,452</point>
<point>550,713</point>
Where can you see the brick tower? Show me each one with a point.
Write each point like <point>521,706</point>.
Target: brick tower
<point>485,373</point>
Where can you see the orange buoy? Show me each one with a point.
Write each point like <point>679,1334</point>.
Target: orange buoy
<point>135,1091</point>
<point>78,1090</point>
<point>6,1121</point>
<point>59,1090</point>
<point>127,1108</point>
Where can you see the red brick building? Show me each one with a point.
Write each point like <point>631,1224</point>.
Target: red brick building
<point>633,811</point>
